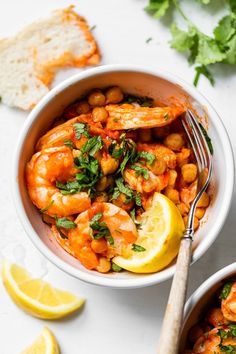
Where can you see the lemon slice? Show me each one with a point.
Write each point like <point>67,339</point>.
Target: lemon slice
<point>46,343</point>
<point>161,230</point>
<point>36,296</point>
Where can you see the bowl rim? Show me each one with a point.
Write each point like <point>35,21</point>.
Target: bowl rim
<point>205,287</point>
<point>140,281</point>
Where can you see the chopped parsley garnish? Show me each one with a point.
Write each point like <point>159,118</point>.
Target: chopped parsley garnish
<point>115,150</point>
<point>228,349</point>
<point>142,101</point>
<point>43,210</point>
<point>138,248</point>
<point>92,145</point>
<point>69,143</point>
<point>140,171</point>
<point>100,229</point>
<point>148,156</point>
<point>115,193</point>
<point>208,139</point>
<point>226,290</point>
<point>125,189</point>
<point>224,334</point>
<point>115,267</point>
<point>81,129</point>
<point>66,223</point>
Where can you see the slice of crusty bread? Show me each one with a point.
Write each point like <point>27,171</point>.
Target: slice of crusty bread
<point>29,61</point>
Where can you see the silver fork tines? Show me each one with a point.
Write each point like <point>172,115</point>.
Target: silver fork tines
<point>204,162</point>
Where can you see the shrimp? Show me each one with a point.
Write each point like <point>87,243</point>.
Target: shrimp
<point>188,193</point>
<point>121,227</point>
<point>228,305</point>
<point>67,131</point>
<point>142,185</point>
<point>211,342</point>
<point>131,117</point>
<point>161,152</point>
<point>44,169</point>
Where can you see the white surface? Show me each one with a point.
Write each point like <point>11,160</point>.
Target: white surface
<point>112,321</point>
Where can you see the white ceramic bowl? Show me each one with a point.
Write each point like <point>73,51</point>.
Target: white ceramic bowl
<point>136,80</point>
<point>201,299</point>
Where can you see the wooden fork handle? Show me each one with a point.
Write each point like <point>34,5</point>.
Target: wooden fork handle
<point>171,327</point>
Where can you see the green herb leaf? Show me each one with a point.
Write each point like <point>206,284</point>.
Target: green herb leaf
<point>208,139</point>
<point>226,290</point>
<point>69,143</point>
<point>43,210</point>
<point>138,200</point>
<point>132,214</point>
<point>232,5</point>
<point>228,349</point>
<point>100,229</point>
<point>81,129</point>
<point>115,267</point>
<point>202,70</point>
<point>148,40</point>
<point>231,51</point>
<point>115,150</point>
<point>182,40</point>
<point>226,28</point>
<point>115,193</point>
<point>208,51</point>
<point>148,156</point>
<point>140,171</point>
<point>143,101</point>
<point>157,8</point>
<point>92,145</point>
<point>66,223</point>
<point>138,248</point>
<point>124,189</point>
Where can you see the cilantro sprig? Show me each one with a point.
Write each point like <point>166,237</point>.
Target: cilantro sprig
<point>203,50</point>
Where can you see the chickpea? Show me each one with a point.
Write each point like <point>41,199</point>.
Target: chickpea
<point>174,141</point>
<point>189,172</point>
<point>195,224</point>
<point>144,135</point>
<point>96,98</point>
<point>183,157</point>
<point>99,114</point>
<point>109,165</point>
<point>203,201</point>
<point>76,153</point>
<point>161,132</point>
<point>99,246</point>
<point>104,183</point>
<point>195,332</point>
<point>183,208</point>
<point>82,107</point>
<point>104,265</point>
<point>172,194</point>
<point>158,167</point>
<point>199,213</point>
<point>114,95</point>
<point>121,202</point>
<point>172,178</point>
<point>101,198</point>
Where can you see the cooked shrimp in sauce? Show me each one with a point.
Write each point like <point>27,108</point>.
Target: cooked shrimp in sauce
<point>95,171</point>
<point>216,332</point>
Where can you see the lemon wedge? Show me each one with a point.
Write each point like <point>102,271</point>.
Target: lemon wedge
<point>158,240</point>
<point>46,343</point>
<point>36,296</point>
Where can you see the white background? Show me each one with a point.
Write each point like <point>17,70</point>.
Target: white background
<point>113,321</point>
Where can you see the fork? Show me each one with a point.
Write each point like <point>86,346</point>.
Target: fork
<point>171,327</point>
